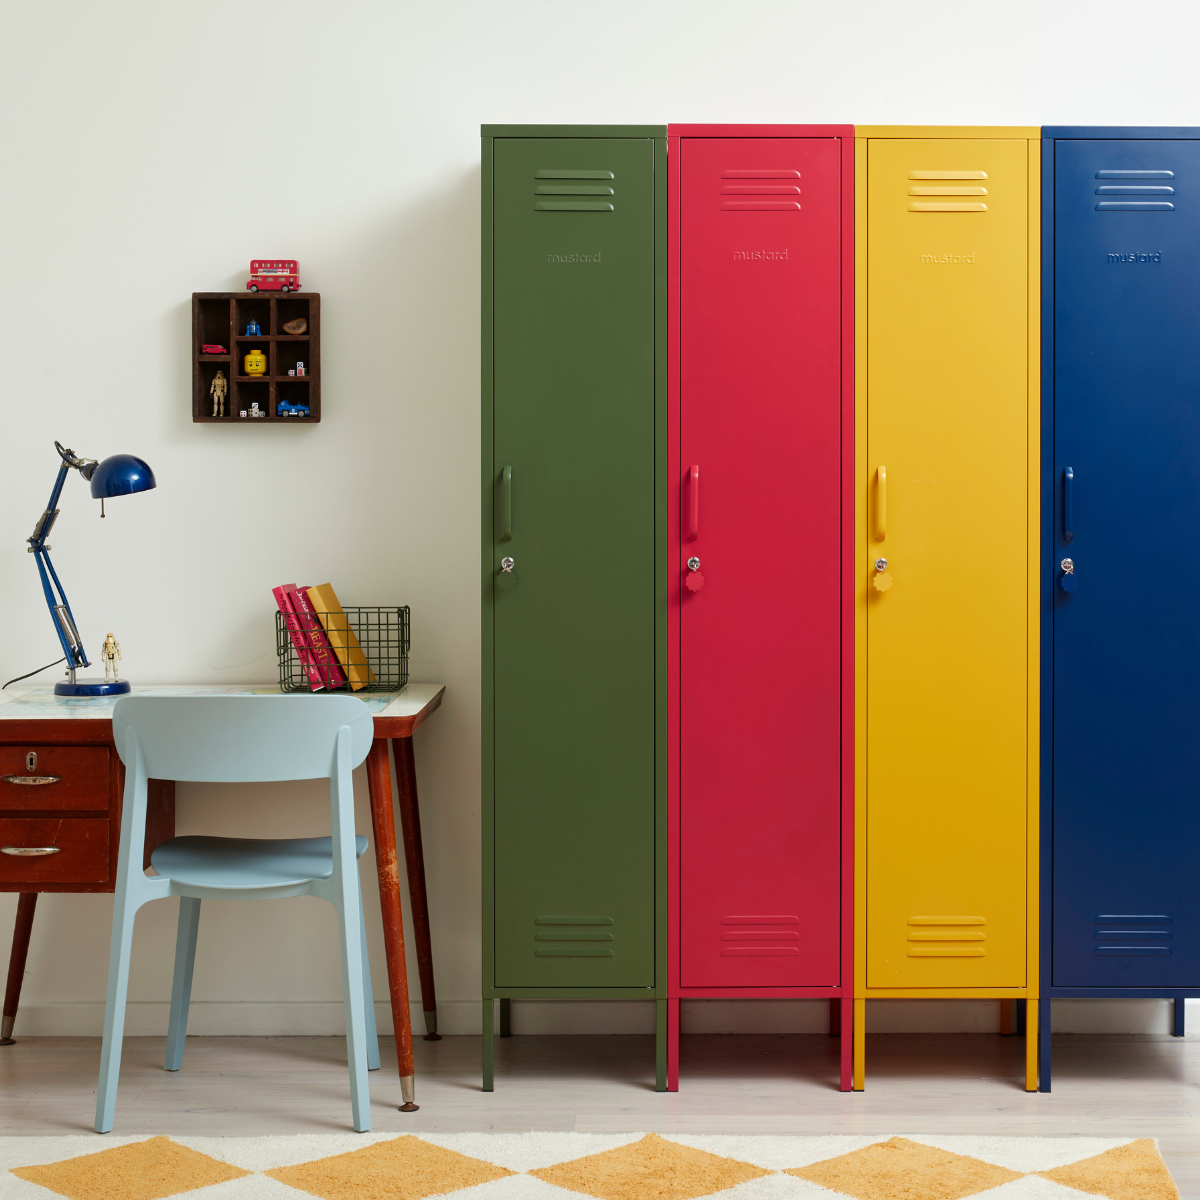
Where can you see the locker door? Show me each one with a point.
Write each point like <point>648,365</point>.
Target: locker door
<point>574,640</point>
<point>947,397</point>
<point>1126,690</point>
<point>760,409</point>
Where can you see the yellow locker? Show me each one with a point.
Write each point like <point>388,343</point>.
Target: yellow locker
<point>947,285</point>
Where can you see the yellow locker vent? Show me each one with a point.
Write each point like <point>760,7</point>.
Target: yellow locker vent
<point>571,186</point>
<point>946,937</point>
<point>923,185</point>
<point>769,189</point>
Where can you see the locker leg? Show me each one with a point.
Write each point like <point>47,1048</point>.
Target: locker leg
<point>1044,1045</point>
<point>673,1045</point>
<point>835,1016</point>
<point>489,1065</point>
<point>1006,1018</point>
<point>1030,1023</point>
<point>1180,1008</point>
<point>505,1017</point>
<point>1020,1016</point>
<point>859,1026</point>
<point>845,1029</point>
<point>660,1045</point>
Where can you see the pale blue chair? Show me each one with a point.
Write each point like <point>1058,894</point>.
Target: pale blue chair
<point>239,739</point>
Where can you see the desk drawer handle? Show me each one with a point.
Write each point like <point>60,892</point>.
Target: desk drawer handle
<point>32,780</point>
<point>29,851</point>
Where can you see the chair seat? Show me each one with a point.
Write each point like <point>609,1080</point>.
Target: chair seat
<point>215,862</point>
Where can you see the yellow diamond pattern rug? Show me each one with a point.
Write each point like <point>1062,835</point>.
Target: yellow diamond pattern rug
<point>543,1166</point>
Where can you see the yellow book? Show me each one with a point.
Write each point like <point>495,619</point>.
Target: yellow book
<point>341,637</point>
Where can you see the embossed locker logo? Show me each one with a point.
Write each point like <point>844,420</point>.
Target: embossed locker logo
<point>948,258</point>
<point>760,255</point>
<point>1139,256</point>
<point>571,258</point>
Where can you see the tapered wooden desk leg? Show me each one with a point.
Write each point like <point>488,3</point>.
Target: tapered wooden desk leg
<point>383,826</point>
<point>414,860</point>
<point>26,903</point>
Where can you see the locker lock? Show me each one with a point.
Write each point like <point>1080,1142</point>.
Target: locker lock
<point>881,580</point>
<point>1068,580</point>
<point>694,580</point>
<point>506,579</point>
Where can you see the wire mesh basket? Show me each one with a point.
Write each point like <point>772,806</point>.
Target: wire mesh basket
<point>367,645</point>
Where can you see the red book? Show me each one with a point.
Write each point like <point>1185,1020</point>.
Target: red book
<point>325,662</point>
<point>298,636</point>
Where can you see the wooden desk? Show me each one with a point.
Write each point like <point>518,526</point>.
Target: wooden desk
<point>78,811</point>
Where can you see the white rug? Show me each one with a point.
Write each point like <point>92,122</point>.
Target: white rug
<point>543,1166</point>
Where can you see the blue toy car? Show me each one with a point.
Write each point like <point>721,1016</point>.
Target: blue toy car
<point>284,409</point>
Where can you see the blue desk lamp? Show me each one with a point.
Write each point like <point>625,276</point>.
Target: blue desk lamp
<point>120,475</point>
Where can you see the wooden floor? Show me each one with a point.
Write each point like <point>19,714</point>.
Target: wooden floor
<point>1104,1086</point>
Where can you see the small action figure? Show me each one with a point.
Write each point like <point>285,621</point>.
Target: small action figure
<point>217,391</point>
<point>111,653</point>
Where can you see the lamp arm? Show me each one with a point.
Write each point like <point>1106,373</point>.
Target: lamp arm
<point>60,609</point>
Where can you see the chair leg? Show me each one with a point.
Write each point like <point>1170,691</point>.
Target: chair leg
<point>181,985</point>
<point>352,993</point>
<point>368,992</point>
<point>124,911</point>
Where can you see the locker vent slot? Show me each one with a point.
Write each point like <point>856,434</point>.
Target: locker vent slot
<point>1135,183</point>
<point>765,189</point>
<point>964,177</point>
<point>759,941</point>
<point>572,937</point>
<point>1131,934</point>
<point>945,937</point>
<point>571,186</point>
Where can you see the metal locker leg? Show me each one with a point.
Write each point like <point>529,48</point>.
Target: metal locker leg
<point>660,1045</point>
<point>845,1028</point>
<point>1006,1018</point>
<point>489,1075</point>
<point>1020,1016</point>
<point>673,1045</point>
<point>860,1044</point>
<point>505,1017</point>
<point>1180,1008</point>
<point>1030,1022</point>
<point>835,1016</point>
<point>1044,1045</point>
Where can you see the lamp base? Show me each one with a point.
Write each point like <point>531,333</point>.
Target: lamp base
<point>92,687</point>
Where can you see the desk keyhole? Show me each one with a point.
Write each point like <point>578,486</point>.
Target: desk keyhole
<point>31,762</point>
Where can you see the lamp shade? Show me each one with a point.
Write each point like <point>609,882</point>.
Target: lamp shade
<point>121,475</point>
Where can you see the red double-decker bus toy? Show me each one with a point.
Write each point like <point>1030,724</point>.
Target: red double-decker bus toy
<point>274,275</point>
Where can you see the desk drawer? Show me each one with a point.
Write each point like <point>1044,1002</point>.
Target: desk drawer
<point>82,781</point>
<point>80,849</point>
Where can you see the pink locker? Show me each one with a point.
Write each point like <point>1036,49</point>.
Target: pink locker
<point>761,431</point>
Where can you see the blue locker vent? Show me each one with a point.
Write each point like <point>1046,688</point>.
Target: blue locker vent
<point>1117,940</point>
<point>1135,183</point>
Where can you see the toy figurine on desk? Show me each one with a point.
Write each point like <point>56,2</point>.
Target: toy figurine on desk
<point>253,329</point>
<point>110,654</point>
<point>218,390</point>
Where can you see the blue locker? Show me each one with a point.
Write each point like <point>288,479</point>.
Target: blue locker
<point>1121,577</point>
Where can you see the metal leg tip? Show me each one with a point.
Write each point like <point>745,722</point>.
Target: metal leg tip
<point>431,1033</point>
<point>408,1090</point>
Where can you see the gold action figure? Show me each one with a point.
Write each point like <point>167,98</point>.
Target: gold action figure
<point>111,653</point>
<point>217,391</point>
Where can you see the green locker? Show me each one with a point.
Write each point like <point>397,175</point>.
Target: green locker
<point>574,606</point>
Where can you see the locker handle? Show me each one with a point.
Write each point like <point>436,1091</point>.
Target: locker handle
<point>1068,502</point>
<point>880,503</point>
<point>693,503</point>
<point>506,505</point>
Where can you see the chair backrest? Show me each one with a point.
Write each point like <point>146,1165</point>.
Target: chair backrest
<point>242,739</point>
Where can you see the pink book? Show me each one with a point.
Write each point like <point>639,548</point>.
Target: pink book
<point>323,657</point>
<point>296,630</point>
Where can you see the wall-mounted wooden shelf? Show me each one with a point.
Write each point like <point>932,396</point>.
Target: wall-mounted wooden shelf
<point>220,318</point>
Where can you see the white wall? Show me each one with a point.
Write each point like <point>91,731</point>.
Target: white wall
<point>149,149</point>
